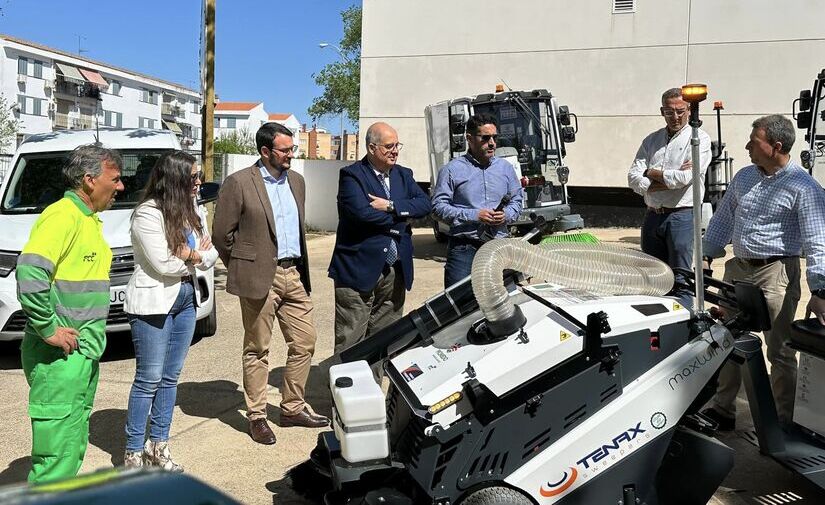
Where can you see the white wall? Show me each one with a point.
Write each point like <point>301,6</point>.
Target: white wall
<point>755,55</point>
<point>321,178</point>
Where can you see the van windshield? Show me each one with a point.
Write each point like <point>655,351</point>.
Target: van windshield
<point>37,180</point>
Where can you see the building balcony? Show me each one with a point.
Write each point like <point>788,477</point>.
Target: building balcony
<point>73,121</point>
<point>169,109</point>
<point>72,89</point>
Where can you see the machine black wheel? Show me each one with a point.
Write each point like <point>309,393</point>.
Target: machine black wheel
<point>496,495</point>
<point>207,326</point>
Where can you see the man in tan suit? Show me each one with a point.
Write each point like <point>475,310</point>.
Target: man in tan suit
<point>259,233</point>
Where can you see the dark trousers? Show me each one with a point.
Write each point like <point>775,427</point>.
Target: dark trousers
<point>669,237</point>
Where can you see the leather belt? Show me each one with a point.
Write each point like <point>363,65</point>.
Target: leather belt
<point>289,262</point>
<point>667,210</point>
<point>186,278</point>
<point>454,241</point>
<point>761,262</point>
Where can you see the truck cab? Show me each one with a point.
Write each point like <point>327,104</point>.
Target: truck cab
<point>533,130</point>
<point>810,116</point>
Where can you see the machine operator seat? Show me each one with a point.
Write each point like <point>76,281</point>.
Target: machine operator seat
<point>809,336</point>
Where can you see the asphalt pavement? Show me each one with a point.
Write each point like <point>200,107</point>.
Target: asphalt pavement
<point>209,430</point>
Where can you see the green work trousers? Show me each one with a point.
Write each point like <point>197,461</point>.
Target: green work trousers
<point>61,394</point>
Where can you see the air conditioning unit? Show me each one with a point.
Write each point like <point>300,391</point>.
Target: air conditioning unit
<point>21,78</point>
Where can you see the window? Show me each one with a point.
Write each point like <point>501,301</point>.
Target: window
<point>196,107</point>
<point>114,87</point>
<point>196,133</point>
<point>149,96</point>
<point>145,122</point>
<point>111,118</point>
<point>32,106</point>
<point>230,122</point>
<point>622,6</point>
<point>36,67</point>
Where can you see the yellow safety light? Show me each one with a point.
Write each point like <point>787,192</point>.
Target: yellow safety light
<point>443,404</point>
<point>499,88</point>
<point>694,93</point>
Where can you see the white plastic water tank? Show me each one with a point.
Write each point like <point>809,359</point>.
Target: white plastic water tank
<point>359,415</point>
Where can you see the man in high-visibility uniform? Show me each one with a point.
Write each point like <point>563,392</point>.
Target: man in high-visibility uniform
<point>63,287</point>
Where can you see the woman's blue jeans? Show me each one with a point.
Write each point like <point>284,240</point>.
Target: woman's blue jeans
<point>161,343</point>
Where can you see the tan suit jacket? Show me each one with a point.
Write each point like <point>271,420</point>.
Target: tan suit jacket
<point>243,232</point>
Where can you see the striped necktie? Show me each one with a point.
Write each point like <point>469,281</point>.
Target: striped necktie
<point>392,250</point>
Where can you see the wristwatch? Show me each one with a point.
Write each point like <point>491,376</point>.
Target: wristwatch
<point>819,293</point>
<point>390,206</point>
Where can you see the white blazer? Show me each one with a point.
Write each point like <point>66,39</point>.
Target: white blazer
<point>155,283</point>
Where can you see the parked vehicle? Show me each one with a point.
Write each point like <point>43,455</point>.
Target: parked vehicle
<point>35,181</point>
<point>811,117</point>
<point>533,130</point>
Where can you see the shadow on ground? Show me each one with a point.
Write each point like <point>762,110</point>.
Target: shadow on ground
<point>107,432</point>
<point>316,393</point>
<point>17,471</point>
<point>425,247</point>
<point>218,399</point>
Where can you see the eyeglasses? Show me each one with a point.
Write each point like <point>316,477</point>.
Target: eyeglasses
<point>486,138</point>
<point>287,150</point>
<point>674,112</point>
<point>197,176</point>
<point>389,147</point>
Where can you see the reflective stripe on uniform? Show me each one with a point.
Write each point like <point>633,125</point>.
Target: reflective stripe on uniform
<point>84,314</point>
<point>81,286</point>
<point>36,260</point>
<point>28,286</point>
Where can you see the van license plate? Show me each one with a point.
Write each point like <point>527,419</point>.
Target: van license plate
<point>117,295</point>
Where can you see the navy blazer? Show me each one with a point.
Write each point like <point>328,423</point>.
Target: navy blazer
<point>364,233</point>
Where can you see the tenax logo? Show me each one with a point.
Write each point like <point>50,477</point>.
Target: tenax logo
<point>550,489</point>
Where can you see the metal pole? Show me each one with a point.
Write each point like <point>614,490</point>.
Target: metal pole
<point>341,143</point>
<point>695,123</point>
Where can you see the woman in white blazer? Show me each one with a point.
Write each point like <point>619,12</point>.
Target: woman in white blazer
<point>170,241</point>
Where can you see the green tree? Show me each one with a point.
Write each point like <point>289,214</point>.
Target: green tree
<point>8,126</point>
<point>341,80</point>
<point>236,142</point>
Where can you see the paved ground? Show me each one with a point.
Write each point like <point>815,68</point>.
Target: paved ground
<point>209,431</point>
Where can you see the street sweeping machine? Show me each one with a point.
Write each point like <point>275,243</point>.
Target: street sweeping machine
<point>577,388</point>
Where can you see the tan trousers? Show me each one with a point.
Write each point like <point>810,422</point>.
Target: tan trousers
<point>290,303</point>
<point>359,315</point>
<point>780,283</point>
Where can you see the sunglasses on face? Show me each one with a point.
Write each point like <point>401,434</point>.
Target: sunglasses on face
<point>486,138</point>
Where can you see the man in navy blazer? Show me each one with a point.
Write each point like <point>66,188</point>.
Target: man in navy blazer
<point>372,261</point>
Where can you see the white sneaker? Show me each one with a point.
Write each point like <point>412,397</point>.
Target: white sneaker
<point>133,459</point>
<point>158,454</point>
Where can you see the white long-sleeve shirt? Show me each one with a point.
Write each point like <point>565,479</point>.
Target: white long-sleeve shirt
<point>658,152</point>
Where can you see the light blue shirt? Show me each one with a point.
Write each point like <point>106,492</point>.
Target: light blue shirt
<point>285,212</point>
<point>777,215</point>
<point>464,188</point>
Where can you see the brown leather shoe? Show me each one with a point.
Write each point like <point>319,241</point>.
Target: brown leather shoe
<point>260,432</point>
<point>306,419</point>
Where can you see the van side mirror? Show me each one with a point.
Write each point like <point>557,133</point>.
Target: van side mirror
<point>208,192</point>
<point>568,134</point>
<point>803,120</point>
<point>564,115</point>
<point>457,124</point>
<point>458,143</point>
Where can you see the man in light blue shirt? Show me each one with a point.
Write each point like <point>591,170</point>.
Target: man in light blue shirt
<point>772,211</point>
<point>470,196</point>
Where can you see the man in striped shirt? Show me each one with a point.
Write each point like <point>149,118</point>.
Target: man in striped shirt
<point>63,286</point>
<point>772,211</point>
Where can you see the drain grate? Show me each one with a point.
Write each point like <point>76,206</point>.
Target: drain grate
<point>777,498</point>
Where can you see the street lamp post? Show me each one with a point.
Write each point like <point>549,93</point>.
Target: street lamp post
<point>346,60</point>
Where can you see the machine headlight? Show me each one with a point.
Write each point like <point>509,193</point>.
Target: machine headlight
<point>8,260</point>
<point>443,404</point>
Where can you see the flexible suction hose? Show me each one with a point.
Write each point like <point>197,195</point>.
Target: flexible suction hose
<point>598,268</point>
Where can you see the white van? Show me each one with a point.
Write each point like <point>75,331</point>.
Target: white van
<point>35,180</point>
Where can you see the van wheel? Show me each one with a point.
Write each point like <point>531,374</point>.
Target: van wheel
<point>496,495</point>
<point>207,326</point>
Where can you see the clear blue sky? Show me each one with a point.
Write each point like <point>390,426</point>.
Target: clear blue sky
<point>266,50</point>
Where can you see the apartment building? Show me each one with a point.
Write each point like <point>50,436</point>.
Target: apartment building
<point>289,120</point>
<point>350,147</point>
<point>241,117</point>
<point>53,90</point>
